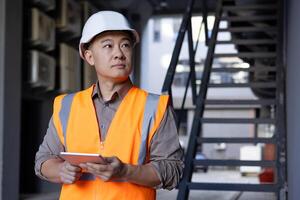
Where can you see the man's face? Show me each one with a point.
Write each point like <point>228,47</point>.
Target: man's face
<point>111,54</point>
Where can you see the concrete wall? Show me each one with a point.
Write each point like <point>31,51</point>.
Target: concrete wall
<point>293,97</point>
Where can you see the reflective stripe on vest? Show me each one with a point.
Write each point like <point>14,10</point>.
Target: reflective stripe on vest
<point>64,114</point>
<point>149,115</point>
<point>148,120</point>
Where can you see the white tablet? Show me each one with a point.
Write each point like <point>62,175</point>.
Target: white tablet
<point>77,158</point>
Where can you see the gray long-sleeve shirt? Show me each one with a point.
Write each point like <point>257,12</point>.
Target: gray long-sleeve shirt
<point>165,151</point>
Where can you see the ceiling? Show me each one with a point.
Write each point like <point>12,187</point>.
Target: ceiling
<point>156,7</point>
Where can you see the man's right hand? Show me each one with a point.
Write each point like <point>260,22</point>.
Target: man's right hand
<point>57,170</point>
<point>69,173</point>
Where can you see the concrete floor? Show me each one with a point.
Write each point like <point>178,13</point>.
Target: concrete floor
<point>210,176</point>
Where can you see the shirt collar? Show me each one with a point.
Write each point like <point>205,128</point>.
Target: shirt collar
<point>119,94</point>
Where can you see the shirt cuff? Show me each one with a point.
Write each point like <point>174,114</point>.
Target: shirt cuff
<point>155,166</point>
<point>169,173</point>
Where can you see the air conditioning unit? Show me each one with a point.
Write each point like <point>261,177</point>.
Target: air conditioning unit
<point>41,70</point>
<point>42,30</point>
<point>69,69</point>
<point>69,19</point>
<point>88,10</point>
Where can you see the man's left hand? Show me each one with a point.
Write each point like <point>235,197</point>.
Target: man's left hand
<point>114,169</point>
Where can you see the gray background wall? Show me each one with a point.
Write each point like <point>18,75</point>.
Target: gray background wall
<point>2,15</point>
<point>293,97</point>
<point>10,96</point>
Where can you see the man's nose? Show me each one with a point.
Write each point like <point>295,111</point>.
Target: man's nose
<point>118,53</point>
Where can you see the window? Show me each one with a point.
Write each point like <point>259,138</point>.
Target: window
<point>156,30</point>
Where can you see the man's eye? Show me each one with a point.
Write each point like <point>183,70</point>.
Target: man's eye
<point>126,45</point>
<point>107,46</point>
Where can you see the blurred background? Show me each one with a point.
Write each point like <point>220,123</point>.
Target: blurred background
<point>230,66</point>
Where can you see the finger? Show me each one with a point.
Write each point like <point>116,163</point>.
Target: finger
<point>95,171</point>
<point>73,177</point>
<point>97,167</point>
<point>105,176</point>
<point>111,159</point>
<point>65,170</point>
<point>115,163</point>
<point>72,168</point>
<point>83,165</point>
<point>66,178</point>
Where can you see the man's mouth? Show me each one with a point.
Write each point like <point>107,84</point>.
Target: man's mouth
<point>120,65</point>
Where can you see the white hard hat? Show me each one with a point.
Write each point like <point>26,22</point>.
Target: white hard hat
<point>104,21</point>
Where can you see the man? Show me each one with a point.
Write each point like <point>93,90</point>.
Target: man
<point>133,130</point>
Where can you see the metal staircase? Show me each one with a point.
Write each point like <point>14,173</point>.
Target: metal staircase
<point>255,27</point>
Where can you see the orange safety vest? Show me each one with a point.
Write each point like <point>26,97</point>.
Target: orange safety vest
<point>128,137</point>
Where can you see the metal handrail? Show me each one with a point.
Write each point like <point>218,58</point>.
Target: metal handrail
<point>186,27</point>
<point>192,74</point>
<point>196,126</point>
<point>174,60</point>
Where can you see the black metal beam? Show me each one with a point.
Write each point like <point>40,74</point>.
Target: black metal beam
<point>231,162</point>
<point>251,7</point>
<point>240,102</point>
<point>235,140</point>
<point>247,55</point>
<point>238,120</point>
<point>192,52</point>
<point>271,29</point>
<point>250,18</point>
<point>204,15</point>
<point>243,85</point>
<point>248,41</point>
<point>250,69</point>
<point>234,187</point>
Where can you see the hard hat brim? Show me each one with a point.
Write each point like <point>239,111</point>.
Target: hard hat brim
<point>84,41</point>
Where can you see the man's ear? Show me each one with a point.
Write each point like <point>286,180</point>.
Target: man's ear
<point>88,55</point>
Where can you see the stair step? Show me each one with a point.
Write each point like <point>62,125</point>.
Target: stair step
<point>271,29</point>
<point>250,69</point>
<point>250,7</point>
<point>249,18</point>
<point>235,140</point>
<point>247,55</point>
<point>232,162</point>
<point>248,42</point>
<point>243,85</point>
<point>240,102</point>
<point>233,187</point>
<point>238,120</point>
